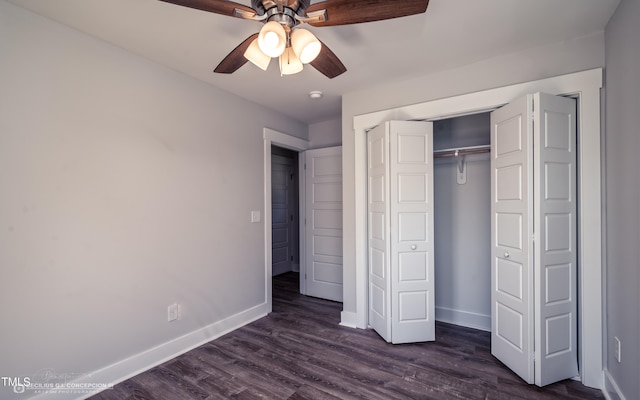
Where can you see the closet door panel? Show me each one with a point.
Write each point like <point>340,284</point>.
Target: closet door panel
<point>534,243</point>
<point>555,226</point>
<point>511,230</point>
<point>411,239</point>
<point>378,232</point>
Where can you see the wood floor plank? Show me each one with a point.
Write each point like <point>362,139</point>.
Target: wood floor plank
<point>307,392</point>
<point>301,352</point>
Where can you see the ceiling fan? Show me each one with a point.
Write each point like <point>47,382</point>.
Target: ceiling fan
<point>282,38</point>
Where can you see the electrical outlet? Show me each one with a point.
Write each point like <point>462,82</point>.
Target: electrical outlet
<point>617,349</point>
<point>173,312</point>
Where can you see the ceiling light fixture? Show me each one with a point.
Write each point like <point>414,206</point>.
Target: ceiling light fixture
<point>280,37</point>
<point>289,62</point>
<point>293,47</point>
<point>305,45</point>
<point>256,56</point>
<point>281,21</point>
<point>272,39</point>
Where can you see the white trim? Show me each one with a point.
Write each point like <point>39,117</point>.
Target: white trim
<point>585,86</point>
<point>293,143</point>
<point>464,318</point>
<point>611,390</point>
<point>590,265</point>
<point>283,140</point>
<point>349,319</point>
<point>132,366</point>
<point>302,206</point>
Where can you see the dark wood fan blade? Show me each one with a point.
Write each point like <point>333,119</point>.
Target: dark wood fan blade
<point>235,59</point>
<point>328,63</point>
<point>222,7</point>
<point>345,12</point>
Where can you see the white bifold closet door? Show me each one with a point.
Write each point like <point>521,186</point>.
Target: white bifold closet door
<point>400,231</point>
<point>533,229</point>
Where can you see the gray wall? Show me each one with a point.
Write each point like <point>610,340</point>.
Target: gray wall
<point>325,134</point>
<point>462,225</point>
<point>126,187</point>
<point>541,62</point>
<point>623,196</point>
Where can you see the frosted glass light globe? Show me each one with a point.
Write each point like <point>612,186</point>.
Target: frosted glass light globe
<point>305,45</point>
<point>271,40</point>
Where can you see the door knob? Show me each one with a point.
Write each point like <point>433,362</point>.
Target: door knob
<point>506,254</point>
<point>413,247</point>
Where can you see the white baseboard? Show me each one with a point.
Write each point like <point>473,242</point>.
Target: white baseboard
<point>464,318</point>
<point>349,319</point>
<point>127,368</point>
<point>611,390</point>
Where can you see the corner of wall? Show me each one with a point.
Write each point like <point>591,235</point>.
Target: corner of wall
<point>611,390</point>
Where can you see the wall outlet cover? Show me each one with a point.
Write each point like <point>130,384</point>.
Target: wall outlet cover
<point>172,312</point>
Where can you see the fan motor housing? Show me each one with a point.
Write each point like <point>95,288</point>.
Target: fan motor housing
<point>298,6</point>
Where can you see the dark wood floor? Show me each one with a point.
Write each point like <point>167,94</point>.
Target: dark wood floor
<point>300,352</point>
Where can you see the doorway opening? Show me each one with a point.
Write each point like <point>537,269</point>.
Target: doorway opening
<point>285,211</point>
<point>462,221</point>
<point>297,145</point>
<point>532,195</point>
<point>320,218</point>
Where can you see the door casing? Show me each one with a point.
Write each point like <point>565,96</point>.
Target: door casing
<point>272,137</point>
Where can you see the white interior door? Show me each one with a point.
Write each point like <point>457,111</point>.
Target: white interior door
<point>323,226</point>
<point>512,232</point>
<point>411,231</point>
<point>533,282</point>
<point>400,231</point>
<point>378,231</point>
<point>282,214</point>
<point>556,339</point>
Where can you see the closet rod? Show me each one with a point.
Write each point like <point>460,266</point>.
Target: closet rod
<point>462,151</point>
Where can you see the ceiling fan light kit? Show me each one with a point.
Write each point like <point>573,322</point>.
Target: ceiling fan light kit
<point>272,39</point>
<point>281,37</point>
<point>256,56</point>
<point>293,48</point>
<point>289,62</point>
<point>306,45</point>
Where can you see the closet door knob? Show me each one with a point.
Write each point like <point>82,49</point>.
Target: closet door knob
<point>506,254</point>
<point>413,247</point>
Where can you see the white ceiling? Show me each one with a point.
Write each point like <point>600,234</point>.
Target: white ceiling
<point>451,33</point>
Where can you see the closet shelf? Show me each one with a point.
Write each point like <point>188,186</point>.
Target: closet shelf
<point>461,151</point>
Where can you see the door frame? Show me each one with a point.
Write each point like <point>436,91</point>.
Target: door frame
<point>272,137</point>
<point>585,87</point>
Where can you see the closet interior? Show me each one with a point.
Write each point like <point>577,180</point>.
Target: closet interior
<point>462,220</point>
